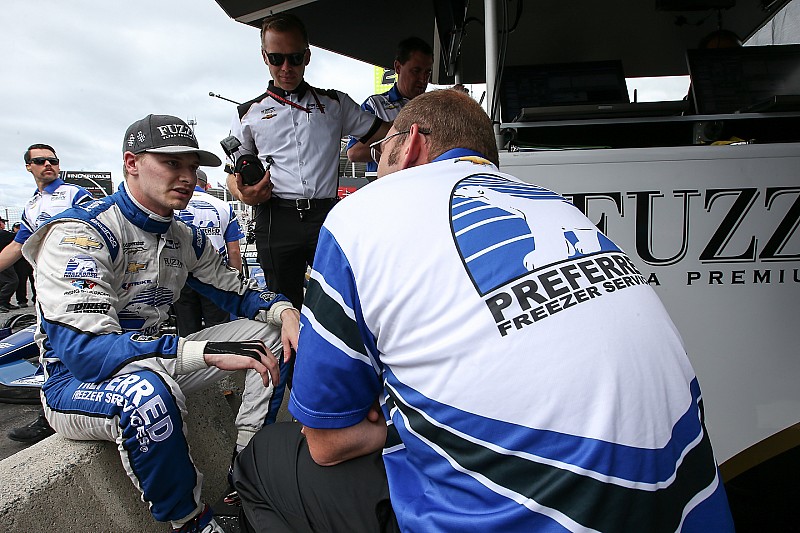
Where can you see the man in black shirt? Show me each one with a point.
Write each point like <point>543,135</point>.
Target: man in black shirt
<point>8,277</point>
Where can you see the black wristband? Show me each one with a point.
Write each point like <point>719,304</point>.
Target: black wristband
<point>254,349</point>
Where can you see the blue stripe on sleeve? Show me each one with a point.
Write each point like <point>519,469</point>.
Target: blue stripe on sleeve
<point>93,358</point>
<point>335,344</point>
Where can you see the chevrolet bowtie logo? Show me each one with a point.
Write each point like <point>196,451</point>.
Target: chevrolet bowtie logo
<point>135,267</point>
<point>82,242</point>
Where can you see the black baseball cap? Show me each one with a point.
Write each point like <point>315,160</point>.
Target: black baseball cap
<point>165,134</point>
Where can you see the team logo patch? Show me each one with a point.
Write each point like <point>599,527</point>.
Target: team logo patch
<point>81,266</point>
<point>171,245</point>
<point>88,206</point>
<point>171,131</point>
<point>128,285</point>
<point>83,284</point>
<point>529,253</point>
<point>89,307</point>
<point>204,216</point>
<point>173,262</point>
<point>133,247</point>
<point>267,296</point>
<point>134,267</point>
<point>82,241</point>
<point>42,218</point>
<point>268,113</point>
<point>134,315</point>
<point>505,229</point>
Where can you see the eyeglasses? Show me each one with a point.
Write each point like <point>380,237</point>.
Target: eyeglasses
<point>296,59</point>
<point>375,149</point>
<point>41,160</point>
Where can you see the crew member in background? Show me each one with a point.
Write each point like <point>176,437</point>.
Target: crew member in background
<point>413,65</point>
<point>301,128</point>
<point>514,368</point>
<point>52,196</point>
<point>216,219</point>
<point>25,275</point>
<point>108,272</point>
<point>8,276</point>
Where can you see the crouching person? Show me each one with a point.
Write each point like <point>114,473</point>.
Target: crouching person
<point>487,422</point>
<point>109,270</point>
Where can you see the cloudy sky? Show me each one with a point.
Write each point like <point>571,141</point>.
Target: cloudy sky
<point>76,74</point>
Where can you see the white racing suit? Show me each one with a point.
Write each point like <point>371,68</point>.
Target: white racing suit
<point>107,273</point>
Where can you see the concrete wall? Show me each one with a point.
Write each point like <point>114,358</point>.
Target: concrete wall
<point>63,485</point>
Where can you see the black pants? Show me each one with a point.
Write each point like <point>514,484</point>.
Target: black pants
<point>25,274</point>
<point>283,490</point>
<point>193,312</point>
<point>8,284</point>
<point>286,244</point>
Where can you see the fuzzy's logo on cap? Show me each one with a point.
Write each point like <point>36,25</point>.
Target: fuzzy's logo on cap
<point>171,131</point>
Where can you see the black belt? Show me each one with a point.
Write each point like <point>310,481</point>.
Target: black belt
<point>304,204</point>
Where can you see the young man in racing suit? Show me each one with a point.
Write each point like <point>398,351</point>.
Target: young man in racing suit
<point>109,271</point>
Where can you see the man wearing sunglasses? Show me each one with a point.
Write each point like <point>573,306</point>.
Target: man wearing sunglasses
<point>300,127</point>
<point>52,196</point>
<point>413,64</point>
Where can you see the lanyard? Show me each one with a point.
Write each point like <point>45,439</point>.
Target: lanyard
<point>296,105</point>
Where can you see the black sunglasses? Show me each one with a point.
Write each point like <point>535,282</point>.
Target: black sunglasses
<point>41,160</point>
<point>296,59</point>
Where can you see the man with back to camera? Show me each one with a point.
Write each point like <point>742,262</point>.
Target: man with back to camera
<point>413,65</point>
<point>52,196</point>
<point>108,272</point>
<point>530,378</point>
<point>216,219</point>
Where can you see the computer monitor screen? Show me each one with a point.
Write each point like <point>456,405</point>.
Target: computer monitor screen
<point>729,80</point>
<point>594,82</point>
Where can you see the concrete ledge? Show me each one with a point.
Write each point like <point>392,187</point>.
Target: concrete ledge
<point>63,485</point>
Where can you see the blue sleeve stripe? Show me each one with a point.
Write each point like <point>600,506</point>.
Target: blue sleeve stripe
<point>93,358</point>
<point>334,320</point>
<point>23,234</point>
<point>336,344</point>
<point>82,196</point>
<point>334,275</point>
<point>244,305</point>
<point>331,341</point>
<point>234,230</point>
<point>199,240</point>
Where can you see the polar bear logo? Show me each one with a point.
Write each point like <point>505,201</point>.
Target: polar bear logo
<point>81,266</point>
<point>551,240</point>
